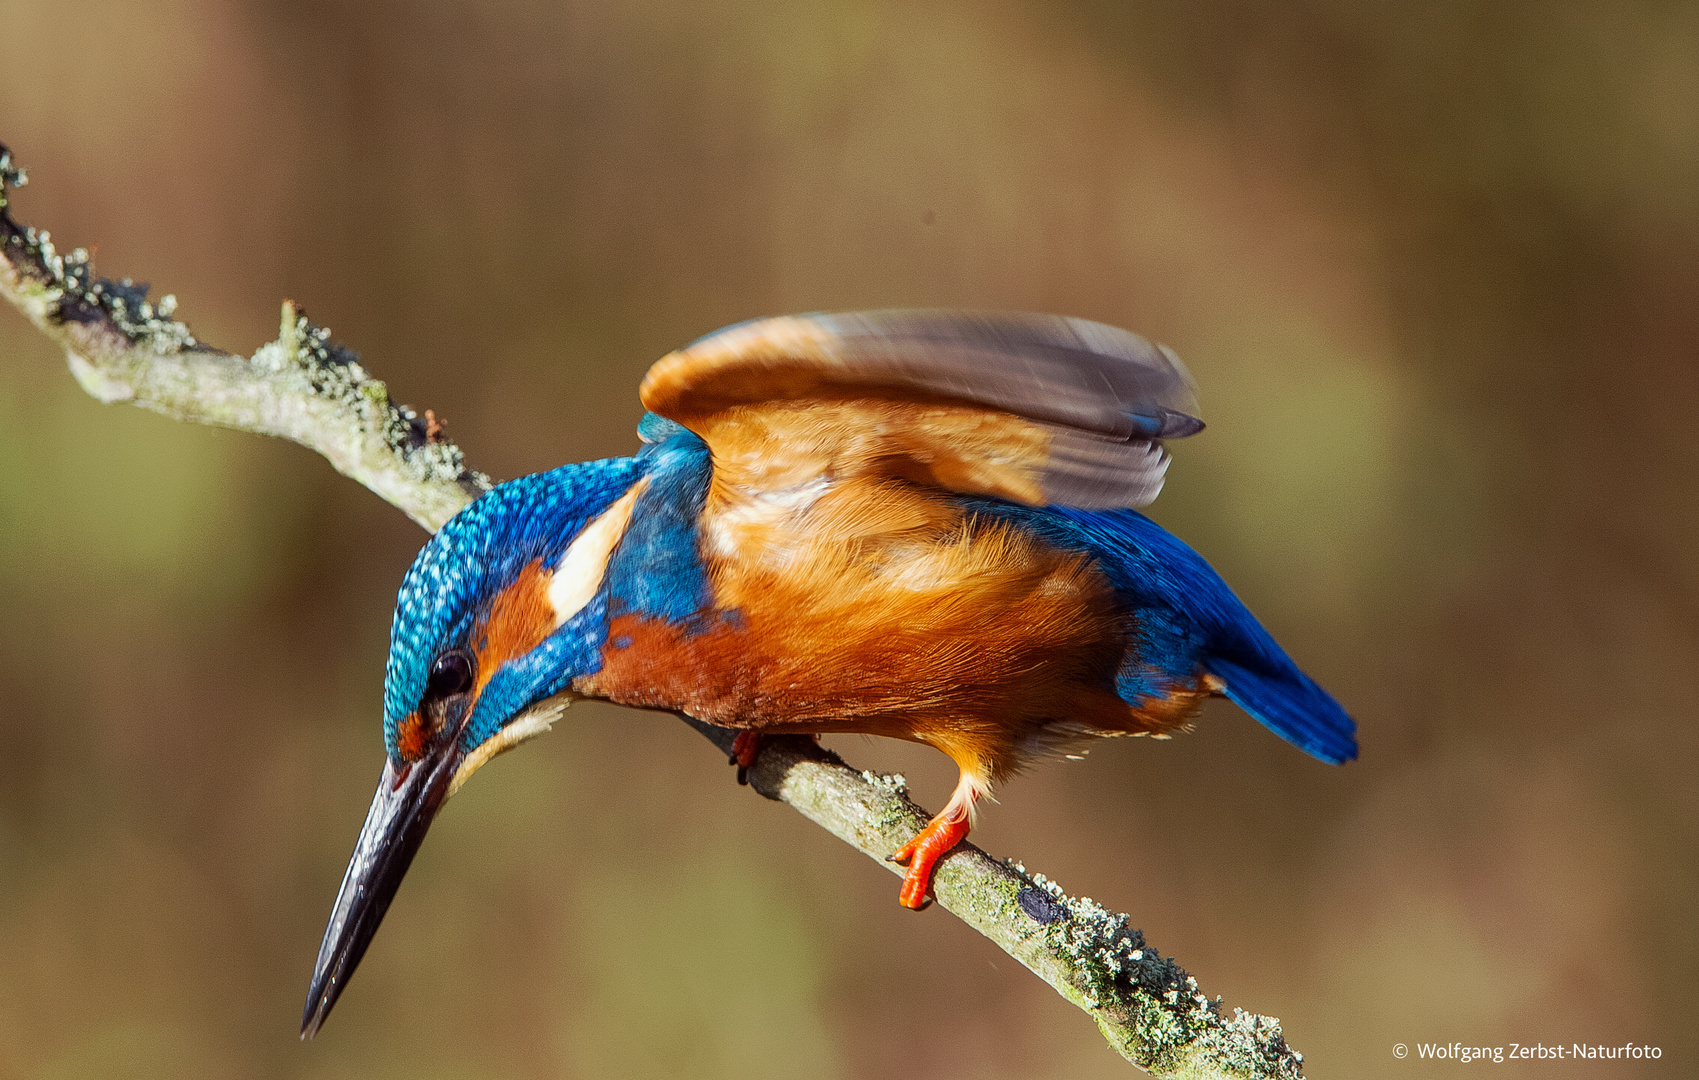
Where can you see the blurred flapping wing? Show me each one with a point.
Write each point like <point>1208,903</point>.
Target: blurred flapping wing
<point>1040,409</point>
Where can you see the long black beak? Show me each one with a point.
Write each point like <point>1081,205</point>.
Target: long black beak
<point>402,811</point>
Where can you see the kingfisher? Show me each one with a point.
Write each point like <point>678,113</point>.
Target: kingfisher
<point>918,524</point>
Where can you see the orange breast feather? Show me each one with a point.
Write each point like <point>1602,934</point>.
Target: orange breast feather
<point>883,608</point>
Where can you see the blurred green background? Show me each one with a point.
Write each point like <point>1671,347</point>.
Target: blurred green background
<point>1435,266</point>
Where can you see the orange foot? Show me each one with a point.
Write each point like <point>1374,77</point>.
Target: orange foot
<point>923,852</point>
<point>744,748</point>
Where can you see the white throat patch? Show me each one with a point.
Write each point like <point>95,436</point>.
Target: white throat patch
<point>527,725</point>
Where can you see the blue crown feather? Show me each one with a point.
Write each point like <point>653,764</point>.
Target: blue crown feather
<point>478,553</point>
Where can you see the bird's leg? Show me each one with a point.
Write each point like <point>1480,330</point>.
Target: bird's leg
<point>935,841</point>
<point>744,748</point>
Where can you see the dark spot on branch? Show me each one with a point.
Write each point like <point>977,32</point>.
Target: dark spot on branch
<point>1041,905</point>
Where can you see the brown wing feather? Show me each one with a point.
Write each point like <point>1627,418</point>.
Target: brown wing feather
<point>1035,408</point>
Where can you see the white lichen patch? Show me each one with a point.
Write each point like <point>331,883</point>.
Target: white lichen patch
<point>12,175</point>
<point>1151,1005</point>
<point>67,283</point>
<point>305,352</point>
<point>70,285</point>
<point>891,809</point>
<point>893,783</point>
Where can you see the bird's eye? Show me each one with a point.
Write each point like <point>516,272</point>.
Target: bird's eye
<point>450,675</point>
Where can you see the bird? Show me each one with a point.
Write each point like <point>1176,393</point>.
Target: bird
<point>911,523</point>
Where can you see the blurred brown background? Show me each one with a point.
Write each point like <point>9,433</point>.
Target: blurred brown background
<point>1433,264</point>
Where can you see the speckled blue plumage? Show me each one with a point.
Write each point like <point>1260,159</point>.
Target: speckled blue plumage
<point>475,555</point>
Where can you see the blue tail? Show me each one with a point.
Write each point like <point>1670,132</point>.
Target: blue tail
<point>1189,618</point>
<point>1291,705</point>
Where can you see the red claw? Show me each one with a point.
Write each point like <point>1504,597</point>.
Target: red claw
<point>922,854</point>
<point>744,750</point>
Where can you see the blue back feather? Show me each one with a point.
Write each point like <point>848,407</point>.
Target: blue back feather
<point>657,570</point>
<point>1188,618</point>
<point>1163,572</point>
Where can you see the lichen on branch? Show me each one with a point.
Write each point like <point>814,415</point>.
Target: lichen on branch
<point>302,387</point>
<point>306,388</point>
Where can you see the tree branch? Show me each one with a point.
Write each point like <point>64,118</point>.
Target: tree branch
<point>304,388</point>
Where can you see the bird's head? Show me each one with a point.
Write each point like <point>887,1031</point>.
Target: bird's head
<point>503,608</point>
